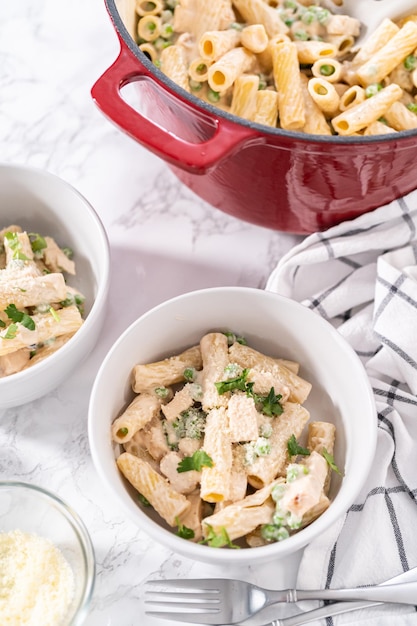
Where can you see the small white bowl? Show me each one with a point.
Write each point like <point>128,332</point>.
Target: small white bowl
<point>43,203</point>
<point>33,510</point>
<point>277,326</point>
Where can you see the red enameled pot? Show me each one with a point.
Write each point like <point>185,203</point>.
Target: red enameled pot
<point>281,180</point>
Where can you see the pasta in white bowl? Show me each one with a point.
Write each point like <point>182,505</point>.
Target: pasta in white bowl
<point>222,419</point>
<point>51,306</point>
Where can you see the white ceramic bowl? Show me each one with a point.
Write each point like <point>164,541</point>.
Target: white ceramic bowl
<point>278,326</point>
<point>43,203</point>
<point>33,510</point>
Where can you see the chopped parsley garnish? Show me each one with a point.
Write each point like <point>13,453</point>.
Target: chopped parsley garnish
<point>271,405</point>
<point>11,332</point>
<point>330,460</point>
<point>2,324</point>
<point>218,540</point>
<point>37,242</point>
<point>184,531</point>
<point>19,317</point>
<point>294,449</point>
<point>54,313</point>
<point>233,384</point>
<point>231,338</point>
<point>196,462</point>
<point>15,246</point>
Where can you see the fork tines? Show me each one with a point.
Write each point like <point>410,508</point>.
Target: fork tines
<point>203,596</point>
<point>196,584</point>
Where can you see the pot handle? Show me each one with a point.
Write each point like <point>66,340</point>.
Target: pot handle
<point>198,158</point>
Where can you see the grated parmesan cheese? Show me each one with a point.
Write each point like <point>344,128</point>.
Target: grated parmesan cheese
<point>36,581</point>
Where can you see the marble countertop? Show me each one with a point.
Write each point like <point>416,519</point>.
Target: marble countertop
<point>164,241</point>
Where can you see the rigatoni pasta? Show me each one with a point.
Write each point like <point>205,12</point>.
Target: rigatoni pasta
<point>386,59</point>
<point>209,49</point>
<point>224,72</point>
<point>324,95</point>
<point>217,452</point>
<point>287,80</point>
<point>266,107</point>
<point>244,96</point>
<point>358,117</point>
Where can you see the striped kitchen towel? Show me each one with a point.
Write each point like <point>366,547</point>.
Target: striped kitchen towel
<point>362,277</point>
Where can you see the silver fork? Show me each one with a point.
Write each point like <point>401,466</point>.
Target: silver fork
<point>228,601</point>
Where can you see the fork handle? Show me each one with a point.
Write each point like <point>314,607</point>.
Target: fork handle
<point>328,610</point>
<point>403,593</point>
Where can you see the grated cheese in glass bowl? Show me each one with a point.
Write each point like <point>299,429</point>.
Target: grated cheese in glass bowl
<point>47,564</point>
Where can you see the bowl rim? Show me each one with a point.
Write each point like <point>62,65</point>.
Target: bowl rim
<point>83,536</point>
<point>99,300</point>
<point>215,112</point>
<point>203,552</point>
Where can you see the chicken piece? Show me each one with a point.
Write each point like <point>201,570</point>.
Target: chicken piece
<point>187,446</point>
<point>181,401</point>
<point>55,259</point>
<point>183,482</point>
<point>243,418</point>
<point>14,362</point>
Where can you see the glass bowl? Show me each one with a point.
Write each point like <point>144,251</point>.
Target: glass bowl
<point>34,511</point>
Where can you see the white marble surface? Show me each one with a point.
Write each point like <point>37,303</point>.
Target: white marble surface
<point>164,240</point>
